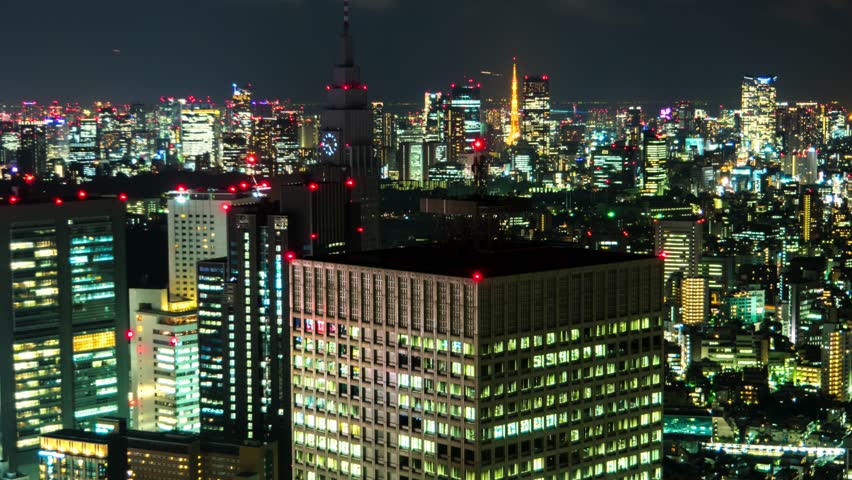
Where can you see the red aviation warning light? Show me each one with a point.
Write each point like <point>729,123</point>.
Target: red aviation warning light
<point>14,200</point>
<point>58,201</point>
<point>313,186</point>
<point>478,145</point>
<point>29,178</point>
<point>477,276</point>
<point>350,182</point>
<point>244,185</point>
<point>181,188</point>
<point>226,207</point>
<point>174,341</point>
<point>314,236</point>
<point>360,229</point>
<point>232,189</point>
<point>129,334</point>
<point>290,256</point>
<point>122,197</point>
<point>82,194</point>
<point>251,159</point>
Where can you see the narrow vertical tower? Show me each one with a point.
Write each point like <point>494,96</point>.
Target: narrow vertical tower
<point>346,136</point>
<point>515,129</point>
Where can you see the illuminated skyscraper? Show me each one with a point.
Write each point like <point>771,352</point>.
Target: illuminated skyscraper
<point>242,330</point>
<point>695,300</point>
<point>536,128</point>
<point>758,113</point>
<point>656,153</point>
<point>836,350</point>
<point>63,314</point>
<point>464,118</point>
<point>424,361</point>
<point>811,215</point>
<point>346,137</point>
<point>515,120</point>
<point>200,133</point>
<point>197,230</point>
<point>240,111</point>
<point>83,146</point>
<point>383,134</point>
<point>434,117</point>
<point>164,363</point>
<point>32,157</point>
<point>680,243</point>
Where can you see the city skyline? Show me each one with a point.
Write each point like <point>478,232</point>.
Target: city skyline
<point>287,59</point>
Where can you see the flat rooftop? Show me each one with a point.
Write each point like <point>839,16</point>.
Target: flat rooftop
<point>464,262</point>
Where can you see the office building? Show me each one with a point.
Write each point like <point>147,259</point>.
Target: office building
<point>434,117</point>
<point>75,454</point>
<point>695,301</point>
<point>656,153</point>
<point>680,243</point>
<point>836,353</point>
<point>164,384</point>
<point>346,137</point>
<point>32,156</point>
<point>63,311</point>
<point>536,115</point>
<point>197,230</point>
<point>114,452</point>
<point>422,362</point>
<point>239,111</point>
<point>464,118</point>
<point>200,133</point>
<point>758,113</point>
<point>242,327</point>
<point>322,215</point>
<point>747,306</point>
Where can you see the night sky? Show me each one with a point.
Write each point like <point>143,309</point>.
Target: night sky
<point>138,50</point>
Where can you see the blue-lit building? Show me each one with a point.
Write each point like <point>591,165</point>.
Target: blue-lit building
<point>63,314</point>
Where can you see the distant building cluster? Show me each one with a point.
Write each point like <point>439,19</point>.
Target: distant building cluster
<point>478,289</point>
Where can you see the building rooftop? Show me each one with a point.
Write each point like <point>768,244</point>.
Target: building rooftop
<point>465,262</point>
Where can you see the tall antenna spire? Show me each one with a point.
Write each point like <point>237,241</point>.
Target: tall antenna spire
<point>515,127</point>
<point>345,16</point>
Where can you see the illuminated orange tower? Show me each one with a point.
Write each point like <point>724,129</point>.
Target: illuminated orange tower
<point>515,128</point>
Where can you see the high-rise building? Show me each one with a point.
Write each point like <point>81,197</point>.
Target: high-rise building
<point>536,126</point>
<point>464,118</point>
<point>322,215</point>
<point>197,230</point>
<point>811,215</point>
<point>836,350</point>
<point>63,314</point>
<point>656,153</point>
<point>164,363</point>
<point>83,146</point>
<point>240,111</point>
<point>798,127</point>
<point>411,363</point>
<point>680,243</point>
<point>346,137</point>
<point>695,300</point>
<point>758,113</point>
<point>32,157</point>
<point>434,117</point>
<point>199,138</point>
<point>244,355</point>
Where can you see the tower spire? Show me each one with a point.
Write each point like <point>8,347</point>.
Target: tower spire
<point>345,17</point>
<point>515,128</point>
